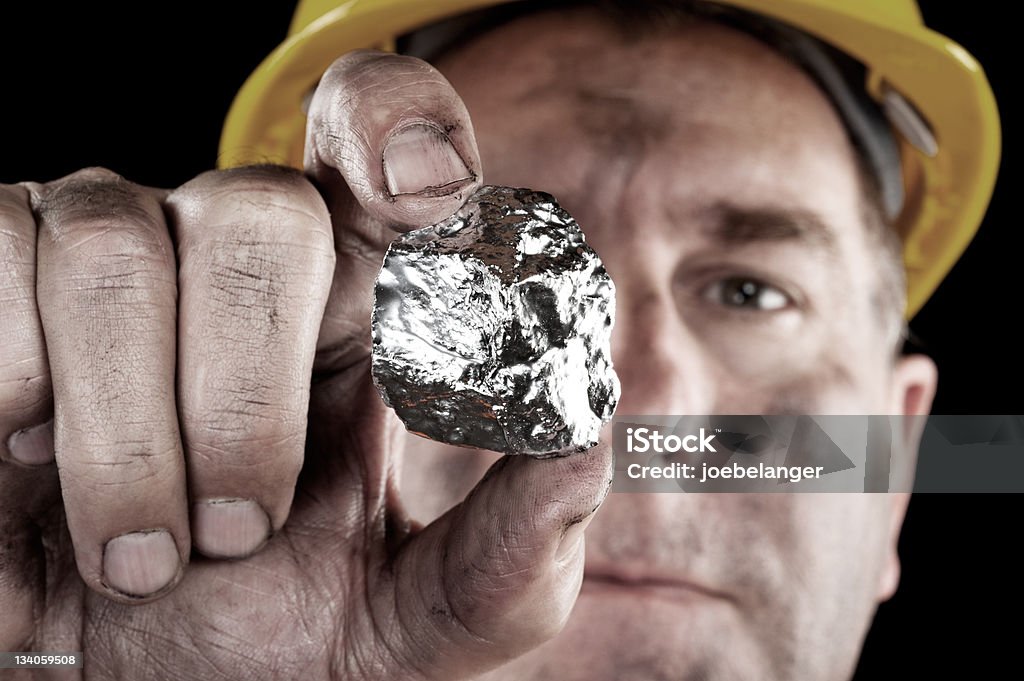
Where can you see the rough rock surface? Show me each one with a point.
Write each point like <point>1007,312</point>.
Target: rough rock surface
<point>492,329</point>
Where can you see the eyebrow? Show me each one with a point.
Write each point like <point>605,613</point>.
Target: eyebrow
<point>734,225</point>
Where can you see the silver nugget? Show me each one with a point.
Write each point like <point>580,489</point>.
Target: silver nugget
<point>492,329</point>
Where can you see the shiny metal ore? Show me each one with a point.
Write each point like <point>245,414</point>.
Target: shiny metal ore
<point>492,329</point>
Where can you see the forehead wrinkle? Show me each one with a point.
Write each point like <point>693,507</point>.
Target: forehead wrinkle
<point>614,120</point>
<point>619,122</point>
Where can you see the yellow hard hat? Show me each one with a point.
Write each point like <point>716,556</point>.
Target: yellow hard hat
<point>949,149</point>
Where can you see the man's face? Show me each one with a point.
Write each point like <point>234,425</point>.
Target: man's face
<point>718,186</point>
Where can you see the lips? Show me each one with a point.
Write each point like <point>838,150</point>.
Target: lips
<point>611,581</point>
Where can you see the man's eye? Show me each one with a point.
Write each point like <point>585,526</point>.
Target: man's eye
<point>745,292</point>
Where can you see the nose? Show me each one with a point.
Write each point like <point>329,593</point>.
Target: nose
<point>660,364</point>
<point>663,372</point>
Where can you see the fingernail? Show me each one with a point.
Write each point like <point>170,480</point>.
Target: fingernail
<point>32,446</point>
<point>229,528</point>
<point>420,158</point>
<point>141,564</point>
<point>572,539</point>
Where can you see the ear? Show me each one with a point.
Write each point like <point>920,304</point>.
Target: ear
<point>912,390</point>
<point>912,387</point>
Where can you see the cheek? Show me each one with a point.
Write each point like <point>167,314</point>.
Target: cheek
<point>761,353</point>
<point>792,362</point>
<point>812,385</point>
<point>849,547</point>
<point>843,550</point>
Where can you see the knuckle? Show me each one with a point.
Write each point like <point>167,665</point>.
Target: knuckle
<point>25,390</point>
<point>102,396</point>
<point>102,241</point>
<point>99,213</point>
<point>275,462</point>
<point>111,466</point>
<point>245,432</point>
<point>253,409</point>
<point>109,247</point>
<point>275,204</point>
<point>254,417</point>
<point>17,245</point>
<point>14,209</point>
<point>246,297</point>
<point>254,295</point>
<point>93,173</point>
<point>113,276</point>
<point>24,379</point>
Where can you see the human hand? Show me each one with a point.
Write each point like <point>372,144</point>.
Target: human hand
<point>179,331</point>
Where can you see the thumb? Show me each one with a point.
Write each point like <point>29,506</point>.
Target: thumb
<point>498,574</point>
<point>390,146</point>
<point>394,130</point>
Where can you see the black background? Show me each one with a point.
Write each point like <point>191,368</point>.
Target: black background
<point>143,89</point>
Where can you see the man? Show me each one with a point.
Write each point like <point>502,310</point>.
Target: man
<point>719,184</point>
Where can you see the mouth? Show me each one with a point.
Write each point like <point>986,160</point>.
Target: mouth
<point>612,583</point>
